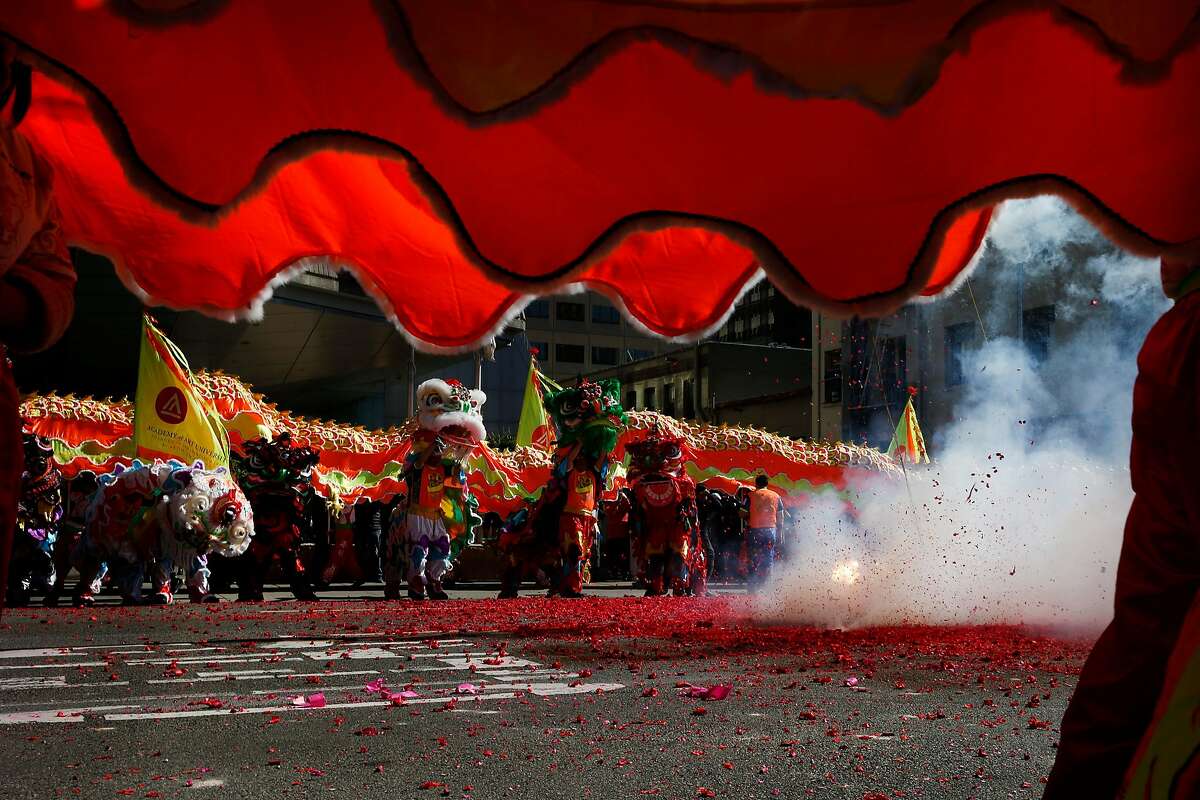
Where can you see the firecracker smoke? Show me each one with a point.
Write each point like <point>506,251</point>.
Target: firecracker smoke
<point>1020,517</point>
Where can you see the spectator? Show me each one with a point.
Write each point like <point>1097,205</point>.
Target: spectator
<point>368,537</point>
<point>766,515</point>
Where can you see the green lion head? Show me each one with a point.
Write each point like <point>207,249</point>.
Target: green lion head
<point>588,414</point>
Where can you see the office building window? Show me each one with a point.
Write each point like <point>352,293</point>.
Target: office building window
<point>1038,330</point>
<point>543,350</point>
<point>739,326</point>
<point>832,378</point>
<point>630,399</point>
<point>605,356</point>
<point>648,400</point>
<point>689,402</point>
<point>959,339</point>
<point>568,353</point>
<point>669,399</point>
<point>605,314</point>
<point>634,354</point>
<point>538,309</point>
<point>569,312</point>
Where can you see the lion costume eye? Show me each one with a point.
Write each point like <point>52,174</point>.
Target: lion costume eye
<point>434,400</point>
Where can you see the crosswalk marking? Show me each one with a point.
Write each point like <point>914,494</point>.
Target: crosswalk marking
<point>497,676</point>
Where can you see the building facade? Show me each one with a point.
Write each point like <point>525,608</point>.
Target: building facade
<point>580,333</point>
<point>723,382</point>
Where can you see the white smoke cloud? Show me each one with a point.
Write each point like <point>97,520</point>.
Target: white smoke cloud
<point>1019,519</point>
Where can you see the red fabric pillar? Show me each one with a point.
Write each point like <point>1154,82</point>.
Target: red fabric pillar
<point>1159,570</point>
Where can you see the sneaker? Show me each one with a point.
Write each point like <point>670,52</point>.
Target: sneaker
<point>437,594</point>
<point>415,595</point>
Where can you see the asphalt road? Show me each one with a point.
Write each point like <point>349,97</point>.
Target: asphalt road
<point>528,698</point>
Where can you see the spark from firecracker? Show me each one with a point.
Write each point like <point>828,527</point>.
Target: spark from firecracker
<point>846,572</point>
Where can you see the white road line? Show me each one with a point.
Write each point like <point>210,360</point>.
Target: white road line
<point>52,714</point>
<point>541,690</point>
<point>263,677</point>
<point>72,665</point>
<point>61,686</point>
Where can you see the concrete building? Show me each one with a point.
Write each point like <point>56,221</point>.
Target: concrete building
<point>764,315</point>
<point>322,349</point>
<point>739,384</point>
<point>934,346</point>
<point>580,333</point>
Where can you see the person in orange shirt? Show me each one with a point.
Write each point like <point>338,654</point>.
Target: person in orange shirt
<point>576,525</point>
<point>766,515</point>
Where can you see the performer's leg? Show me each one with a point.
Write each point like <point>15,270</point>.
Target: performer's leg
<point>160,579</point>
<point>656,566</point>
<point>437,563</point>
<point>250,568</point>
<point>299,580</point>
<point>677,571</point>
<point>63,546</point>
<point>571,546</point>
<point>418,554</point>
<point>199,589</point>
<point>395,559</point>
<point>1159,571</point>
<point>19,571</point>
<point>128,577</point>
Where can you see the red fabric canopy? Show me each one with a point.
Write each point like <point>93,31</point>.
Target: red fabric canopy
<point>476,164</point>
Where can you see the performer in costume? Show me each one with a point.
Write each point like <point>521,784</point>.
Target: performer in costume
<point>79,491</point>
<point>165,513</point>
<point>588,419</point>
<point>665,511</point>
<point>439,518</point>
<point>39,515</point>
<point>277,477</point>
<point>577,525</point>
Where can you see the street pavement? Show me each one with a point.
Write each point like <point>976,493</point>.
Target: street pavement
<point>609,696</point>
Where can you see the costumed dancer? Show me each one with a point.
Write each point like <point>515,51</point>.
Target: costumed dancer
<point>277,477</point>
<point>37,282</point>
<point>39,515</point>
<point>343,563</point>
<point>666,515</point>
<point>439,517</point>
<point>588,419</point>
<point>165,513</point>
<point>79,491</point>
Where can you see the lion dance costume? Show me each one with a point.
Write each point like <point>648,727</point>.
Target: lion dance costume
<point>561,526</point>
<point>439,515</point>
<point>277,477</point>
<point>165,514</point>
<point>669,539</point>
<point>39,514</point>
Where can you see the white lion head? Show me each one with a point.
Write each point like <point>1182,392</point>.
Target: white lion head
<point>449,407</point>
<point>207,510</point>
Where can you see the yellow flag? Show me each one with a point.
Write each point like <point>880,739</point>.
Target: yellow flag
<point>170,419</point>
<point>534,427</point>
<point>908,442</point>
